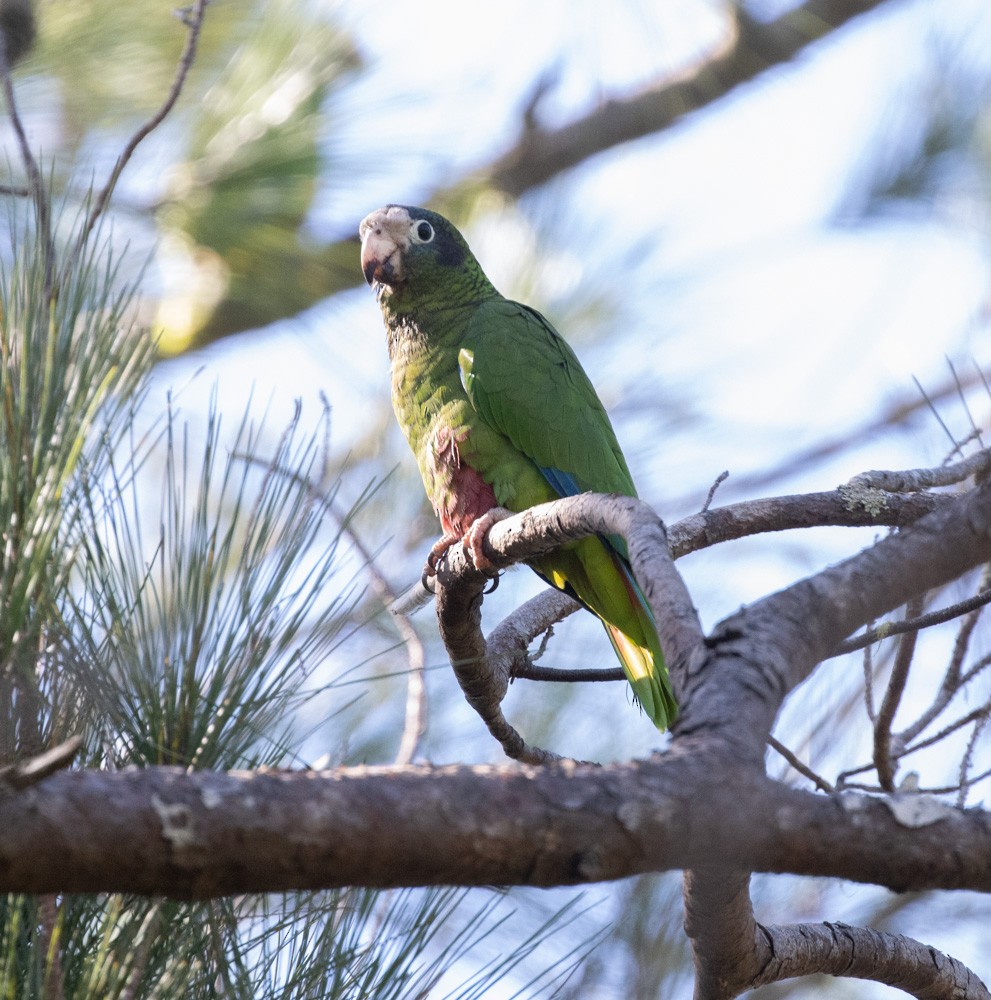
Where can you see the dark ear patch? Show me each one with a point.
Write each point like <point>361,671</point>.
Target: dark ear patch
<point>450,252</point>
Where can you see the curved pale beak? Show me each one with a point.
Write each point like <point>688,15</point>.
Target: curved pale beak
<point>384,240</point>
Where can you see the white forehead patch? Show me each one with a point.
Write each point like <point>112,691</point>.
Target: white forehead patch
<point>392,217</point>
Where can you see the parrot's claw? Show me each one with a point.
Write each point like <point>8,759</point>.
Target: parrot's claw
<point>437,553</point>
<point>493,583</point>
<point>474,540</point>
<point>427,580</point>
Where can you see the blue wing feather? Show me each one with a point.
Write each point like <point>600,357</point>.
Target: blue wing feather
<point>563,482</point>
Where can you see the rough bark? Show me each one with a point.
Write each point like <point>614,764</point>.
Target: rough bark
<point>199,834</point>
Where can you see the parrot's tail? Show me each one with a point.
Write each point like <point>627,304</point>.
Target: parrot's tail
<point>648,676</point>
<point>598,576</point>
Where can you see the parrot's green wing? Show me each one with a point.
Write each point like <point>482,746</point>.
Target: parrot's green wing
<point>524,381</point>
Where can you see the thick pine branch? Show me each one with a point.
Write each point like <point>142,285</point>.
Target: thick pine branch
<point>203,833</point>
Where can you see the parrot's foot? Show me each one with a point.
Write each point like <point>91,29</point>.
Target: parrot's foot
<point>474,539</point>
<point>437,553</point>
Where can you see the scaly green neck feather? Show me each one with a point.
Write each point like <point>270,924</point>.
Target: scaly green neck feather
<point>435,302</point>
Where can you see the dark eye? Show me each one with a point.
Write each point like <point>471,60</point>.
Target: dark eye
<point>422,231</point>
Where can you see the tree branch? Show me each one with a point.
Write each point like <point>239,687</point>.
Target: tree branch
<point>726,941</point>
<point>485,678</point>
<point>886,630</point>
<point>884,761</point>
<point>836,949</point>
<point>750,48</point>
<point>783,637</point>
<point>842,507</point>
<point>192,17</point>
<point>201,834</point>
<point>706,805</point>
<point>915,480</point>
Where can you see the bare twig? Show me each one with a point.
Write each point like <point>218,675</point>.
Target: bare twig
<point>868,662</point>
<point>820,782</point>
<point>915,480</point>
<point>900,751</point>
<point>967,759</point>
<point>711,495</point>
<point>883,760</point>
<point>411,600</point>
<point>888,629</point>
<point>36,184</point>
<point>562,675</point>
<point>953,678</point>
<point>508,644</point>
<point>965,720</point>
<point>29,772</point>
<point>192,18</point>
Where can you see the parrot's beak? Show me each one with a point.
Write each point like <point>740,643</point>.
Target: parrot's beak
<point>383,244</point>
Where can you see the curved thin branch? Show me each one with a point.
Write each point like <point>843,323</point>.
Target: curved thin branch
<point>415,723</point>
<point>836,949</point>
<point>842,507</point>
<point>192,17</point>
<point>508,644</point>
<point>884,761</point>
<point>485,679</point>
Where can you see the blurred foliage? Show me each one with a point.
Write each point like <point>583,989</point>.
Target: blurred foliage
<point>235,209</point>
<point>239,162</point>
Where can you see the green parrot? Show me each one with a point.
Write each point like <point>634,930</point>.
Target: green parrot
<point>499,413</point>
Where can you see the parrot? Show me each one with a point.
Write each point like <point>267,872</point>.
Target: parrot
<point>499,413</point>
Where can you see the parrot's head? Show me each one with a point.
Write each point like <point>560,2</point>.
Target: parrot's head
<point>413,256</point>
